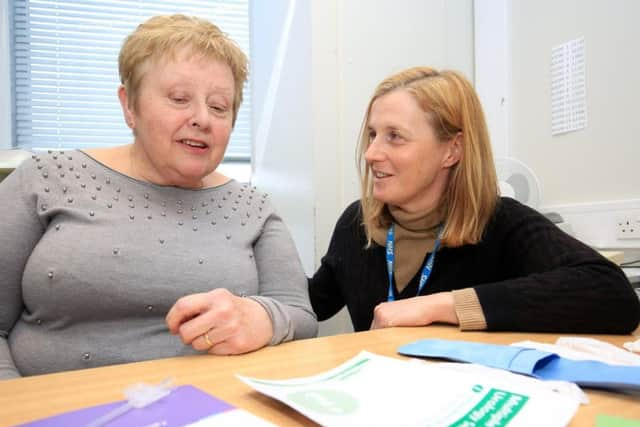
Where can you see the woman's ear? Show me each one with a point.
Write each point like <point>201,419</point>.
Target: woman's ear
<point>124,103</point>
<point>454,153</point>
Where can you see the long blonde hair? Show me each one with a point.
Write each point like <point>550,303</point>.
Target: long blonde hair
<point>164,35</point>
<point>452,106</point>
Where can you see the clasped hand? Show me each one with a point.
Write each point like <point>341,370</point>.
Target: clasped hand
<point>220,323</point>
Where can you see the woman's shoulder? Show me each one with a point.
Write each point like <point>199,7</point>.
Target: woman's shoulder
<point>351,214</point>
<point>511,214</point>
<point>46,166</point>
<point>509,208</point>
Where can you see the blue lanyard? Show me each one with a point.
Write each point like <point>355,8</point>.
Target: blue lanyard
<point>426,271</point>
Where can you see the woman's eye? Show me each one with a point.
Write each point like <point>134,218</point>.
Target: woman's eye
<point>393,136</point>
<point>372,135</point>
<point>179,99</point>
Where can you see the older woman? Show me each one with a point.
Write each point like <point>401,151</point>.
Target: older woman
<point>431,241</point>
<point>104,254</point>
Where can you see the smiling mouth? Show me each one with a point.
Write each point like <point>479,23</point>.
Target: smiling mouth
<point>192,143</point>
<point>380,175</point>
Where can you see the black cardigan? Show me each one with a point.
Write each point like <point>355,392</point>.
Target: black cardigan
<point>528,274</point>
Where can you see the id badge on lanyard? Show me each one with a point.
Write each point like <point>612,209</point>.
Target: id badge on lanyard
<point>426,271</point>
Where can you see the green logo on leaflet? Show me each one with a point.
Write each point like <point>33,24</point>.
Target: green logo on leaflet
<point>477,388</point>
<point>496,409</point>
<point>329,402</point>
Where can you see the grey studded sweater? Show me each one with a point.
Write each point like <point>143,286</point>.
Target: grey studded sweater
<point>91,261</point>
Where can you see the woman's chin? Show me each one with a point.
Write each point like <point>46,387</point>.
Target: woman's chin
<point>382,198</point>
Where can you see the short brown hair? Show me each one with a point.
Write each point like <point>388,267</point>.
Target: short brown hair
<point>162,36</point>
<point>452,107</point>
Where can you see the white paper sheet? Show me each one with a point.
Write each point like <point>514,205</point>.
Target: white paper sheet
<point>373,390</point>
<point>568,87</point>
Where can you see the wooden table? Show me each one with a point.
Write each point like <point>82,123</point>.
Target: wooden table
<point>30,398</point>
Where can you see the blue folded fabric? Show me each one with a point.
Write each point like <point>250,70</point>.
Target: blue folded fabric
<point>536,363</point>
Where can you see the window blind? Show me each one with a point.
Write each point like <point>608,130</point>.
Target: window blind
<point>65,65</point>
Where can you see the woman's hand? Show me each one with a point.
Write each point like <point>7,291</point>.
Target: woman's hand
<point>220,323</point>
<point>417,311</point>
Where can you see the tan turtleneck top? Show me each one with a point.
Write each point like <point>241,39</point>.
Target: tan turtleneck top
<point>415,236</point>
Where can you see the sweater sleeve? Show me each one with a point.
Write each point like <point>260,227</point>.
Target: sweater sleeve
<point>20,230</point>
<point>324,287</point>
<point>554,283</point>
<point>283,287</point>
<point>469,310</point>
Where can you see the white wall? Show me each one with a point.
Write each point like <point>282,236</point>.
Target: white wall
<point>282,158</point>
<point>590,176</point>
<point>600,162</point>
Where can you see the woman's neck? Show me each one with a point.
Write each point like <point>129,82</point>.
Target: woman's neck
<point>419,220</point>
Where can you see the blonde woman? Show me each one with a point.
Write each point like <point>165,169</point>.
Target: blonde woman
<point>145,250</point>
<point>431,241</point>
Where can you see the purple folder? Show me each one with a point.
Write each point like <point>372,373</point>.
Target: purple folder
<point>184,405</point>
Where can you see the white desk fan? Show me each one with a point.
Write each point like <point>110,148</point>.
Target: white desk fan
<point>517,180</point>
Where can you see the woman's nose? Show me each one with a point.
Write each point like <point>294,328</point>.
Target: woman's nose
<point>373,152</point>
<point>200,117</point>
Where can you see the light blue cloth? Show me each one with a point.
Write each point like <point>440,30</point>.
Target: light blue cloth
<point>536,363</point>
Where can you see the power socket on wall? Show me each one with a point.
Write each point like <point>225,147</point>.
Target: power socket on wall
<point>628,227</point>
